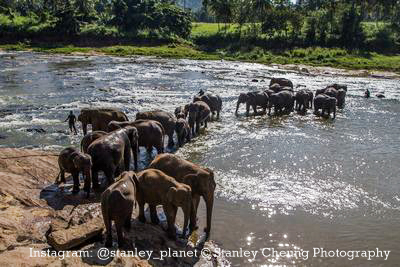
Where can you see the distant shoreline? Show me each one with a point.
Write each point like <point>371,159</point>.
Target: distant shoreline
<point>389,71</point>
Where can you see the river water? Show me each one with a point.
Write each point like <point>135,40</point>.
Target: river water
<point>286,183</point>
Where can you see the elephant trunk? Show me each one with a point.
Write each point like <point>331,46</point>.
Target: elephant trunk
<point>84,128</point>
<point>88,180</point>
<point>209,205</point>
<point>237,107</point>
<point>186,216</point>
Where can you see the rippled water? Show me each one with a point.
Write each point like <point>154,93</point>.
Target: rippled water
<point>291,182</point>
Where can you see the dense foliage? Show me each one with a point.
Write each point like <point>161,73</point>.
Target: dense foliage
<point>69,17</point>
<point>268,24</point>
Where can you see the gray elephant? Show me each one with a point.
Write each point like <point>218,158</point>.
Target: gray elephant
<point>157,188</point>
<point>112,151</point>
<point>72,161</point>
<point>151,133</point>
<point>89,138</point>
<point>282,82</point>
<point>166,119</point>
<point>254,100</point>
<point>213,101</point>
<point>304,99</point>
<point>182,129</point>
<point>200,179</point>
<point>99,118</point>
<point>117,203</point>
<point>199,112</point>
<point>283,100</point>
<point>326,103</point>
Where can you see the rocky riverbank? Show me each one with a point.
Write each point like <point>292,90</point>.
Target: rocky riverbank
<point>36,215</point>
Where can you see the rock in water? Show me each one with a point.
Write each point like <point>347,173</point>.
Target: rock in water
<point>75,236</point>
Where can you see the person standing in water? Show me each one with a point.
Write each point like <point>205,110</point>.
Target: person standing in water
<point>367,94</point>
<point>71,122</point>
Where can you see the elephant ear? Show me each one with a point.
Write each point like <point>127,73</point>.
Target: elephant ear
<point>171,194</point>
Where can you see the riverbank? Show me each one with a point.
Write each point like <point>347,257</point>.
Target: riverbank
<point>364,64</point>
<point>36,215</point>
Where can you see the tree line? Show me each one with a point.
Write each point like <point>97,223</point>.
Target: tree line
<point>310,22</point>
<point>301,23</point>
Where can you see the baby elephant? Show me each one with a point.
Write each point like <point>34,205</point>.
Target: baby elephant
<point>72,161</point>
<point>117,204</point>
<point>182,129</point>
<point>157,188</point>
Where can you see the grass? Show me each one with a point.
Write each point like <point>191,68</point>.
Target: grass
<point>330,57</point>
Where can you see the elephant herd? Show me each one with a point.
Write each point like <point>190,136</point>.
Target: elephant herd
<point>281,96</point>
<point>169,180</point>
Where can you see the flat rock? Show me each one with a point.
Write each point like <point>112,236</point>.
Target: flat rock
<point>75,235</point>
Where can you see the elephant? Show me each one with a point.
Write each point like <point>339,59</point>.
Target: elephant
<point>303,99</point>
<point>341,98</point>
<point>182,129</point>
<point>182,112</point>
<point>166,119</point>
<point>253,99</point>
<point>199,112</point>
<point>282,100</point>
<point>73,161</point>
<point>99,118</point>
<point>151,133</point>
<point>201,180</point>
<point>117,203</point>
<point>109,152</point>
<point>158,188</point>
<point>89,138</point>
<point>282,82</point>
<point>326,103</point>
<point>213,101</point>
<point>339,94</point>
<point>380,95</point>
<point>338,86</point>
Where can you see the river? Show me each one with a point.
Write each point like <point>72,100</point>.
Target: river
<point>287,183</point>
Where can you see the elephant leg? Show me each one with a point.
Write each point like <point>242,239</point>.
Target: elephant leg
<point>247,109</point>
<point>142,218</point>
<point>109,173</point>
<point>95,178</point>
<point>171,139</point>
<point>108,243</point>
<point>62,176</point>
<point>186,215</point>
<point>127,223</point>
<point>119,223</point>
<point>209,204</point>
<point>197,127</point>
<point>205,123</point>
<point>193,212</point>
<point>75,176</point>
<point>153,214</point>
<point>218,111</point>
<point>171,215</point>
<point>127,158</point>
<point>135,157</point>
<point>255,109</point>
